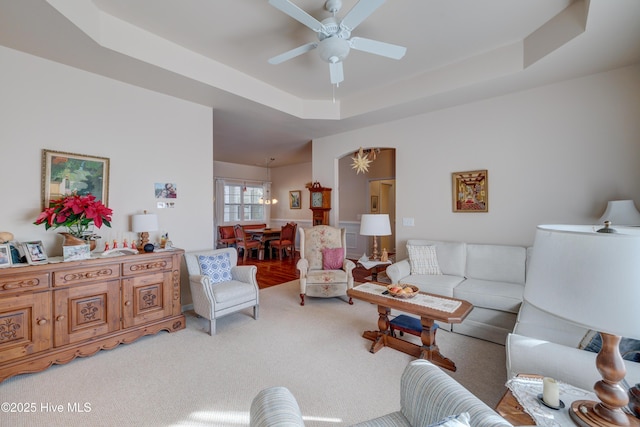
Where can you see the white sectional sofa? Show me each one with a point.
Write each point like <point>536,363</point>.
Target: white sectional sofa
<point>491,277</point>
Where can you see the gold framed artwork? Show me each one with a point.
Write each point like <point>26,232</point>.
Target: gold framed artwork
<point>295,199</point>
<point>470,191</point>
<point>65,173</point>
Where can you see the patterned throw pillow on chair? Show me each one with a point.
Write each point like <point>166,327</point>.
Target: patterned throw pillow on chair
<point>217,267</point>
<point>423,259</point>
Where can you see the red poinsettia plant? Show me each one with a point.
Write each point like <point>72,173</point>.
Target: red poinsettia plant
<point>76,213</point>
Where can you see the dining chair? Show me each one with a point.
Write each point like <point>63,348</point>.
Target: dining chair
<point>287,240</point>
<point>244,243</point>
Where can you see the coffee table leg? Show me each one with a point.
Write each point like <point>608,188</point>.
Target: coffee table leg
<point>379,337</point>
<point>430,350</point>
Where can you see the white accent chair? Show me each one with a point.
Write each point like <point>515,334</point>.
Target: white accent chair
<point>214,300</point>
<point>314,280</point>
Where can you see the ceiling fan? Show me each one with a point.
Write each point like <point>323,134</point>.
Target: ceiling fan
<point>334,35</point>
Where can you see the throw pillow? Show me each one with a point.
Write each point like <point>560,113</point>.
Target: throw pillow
<point>461,420</point>
<point>423,259</point>
<point>332,259</point>
<point>217,267</point>
<point>629,348</point>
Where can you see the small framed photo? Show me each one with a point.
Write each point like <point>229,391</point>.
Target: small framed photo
<point>295,198</point>
<point>34,252</point>
<point>76,252</point>
<point>5,255</point>
<point>470,191</point>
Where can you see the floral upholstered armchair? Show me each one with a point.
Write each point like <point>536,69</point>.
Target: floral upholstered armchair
<point>324,268</point>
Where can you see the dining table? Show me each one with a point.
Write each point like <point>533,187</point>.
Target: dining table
<point>264,235</point>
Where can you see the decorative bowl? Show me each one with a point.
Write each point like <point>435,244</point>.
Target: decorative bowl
<point>403,291</point>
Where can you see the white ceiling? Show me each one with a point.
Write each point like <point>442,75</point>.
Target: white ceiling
<point>215,52</point>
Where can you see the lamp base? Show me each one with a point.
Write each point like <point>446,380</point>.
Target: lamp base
<point>583,414</point>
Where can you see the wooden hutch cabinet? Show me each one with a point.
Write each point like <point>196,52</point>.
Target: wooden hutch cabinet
<point>53,313</point>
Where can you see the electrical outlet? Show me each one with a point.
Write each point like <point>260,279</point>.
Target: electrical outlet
<point>408,222</point>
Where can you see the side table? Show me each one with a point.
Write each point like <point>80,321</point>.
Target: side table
<point>511,410</point>
<point>374,266</point>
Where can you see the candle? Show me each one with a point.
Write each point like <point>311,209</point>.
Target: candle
<point>550,392</point>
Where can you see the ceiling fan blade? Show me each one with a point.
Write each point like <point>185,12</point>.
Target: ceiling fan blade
<point>359,13</point>
<point>378,48</point>
<point>298,14</point>
<point>336,72</point>
<point>293,53</point>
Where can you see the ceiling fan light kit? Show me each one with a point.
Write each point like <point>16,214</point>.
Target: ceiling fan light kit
<point>334,35</point>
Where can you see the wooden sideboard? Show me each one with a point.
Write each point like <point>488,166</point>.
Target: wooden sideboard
<point>53,313</point>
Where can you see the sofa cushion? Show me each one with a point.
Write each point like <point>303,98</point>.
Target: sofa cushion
<point>496,262</point>
<point>451,255</point>
<point>216,267</point>
<point>434,284</point>
<point>491,294</point>
<point>423,259</point>
<point>332,258</point>
<point>535,323</point>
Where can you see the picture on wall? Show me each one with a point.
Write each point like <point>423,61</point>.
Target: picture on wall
<point>166,190</point>
<point>470,191</point>
<point>295,199</point>
<point>66,173</point>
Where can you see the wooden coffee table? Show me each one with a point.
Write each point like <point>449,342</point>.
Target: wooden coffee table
<point>383,338</point>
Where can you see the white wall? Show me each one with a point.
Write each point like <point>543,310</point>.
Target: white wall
<point>555,154</point>
<point>148,137</point>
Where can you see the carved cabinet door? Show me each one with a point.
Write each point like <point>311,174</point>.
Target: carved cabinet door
<point>87,311</point>
<point>25,325</point>
<point>146,298</point>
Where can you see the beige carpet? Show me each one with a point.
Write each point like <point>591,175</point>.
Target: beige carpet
<point>191,379</point>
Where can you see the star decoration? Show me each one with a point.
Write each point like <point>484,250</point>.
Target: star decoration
<point>360,162</point>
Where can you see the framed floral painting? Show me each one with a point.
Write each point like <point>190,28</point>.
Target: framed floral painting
<point>470,191</point>
<point>66,173</point>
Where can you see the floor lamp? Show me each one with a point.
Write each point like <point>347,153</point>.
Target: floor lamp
<point>593,280</point>
<point>375,225</point>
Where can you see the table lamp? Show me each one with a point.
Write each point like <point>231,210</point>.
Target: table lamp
<point>621,212</point>
<point>142,224</point>
<point>375,225</point>
<point>591,279</point>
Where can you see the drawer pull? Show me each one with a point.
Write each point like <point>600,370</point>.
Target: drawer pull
<point>127,303</point>
<point>42,322</point>
<point>60,318</point>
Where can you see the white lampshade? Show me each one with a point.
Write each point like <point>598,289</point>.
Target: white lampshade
<point>144,223</point>
<point>375,225</point>
<point>590,279</point>
<point>621,212</point>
